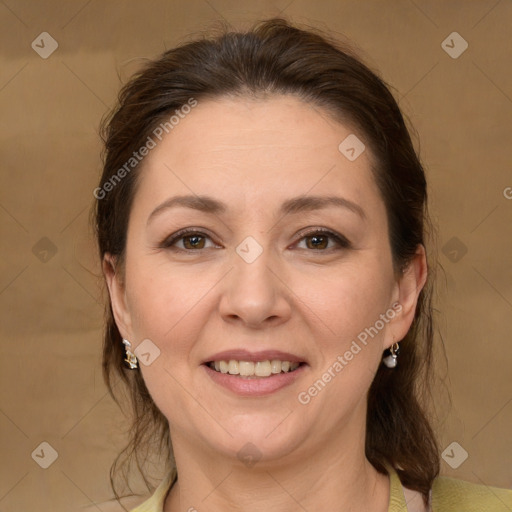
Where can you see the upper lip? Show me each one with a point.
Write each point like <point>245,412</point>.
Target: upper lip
<point>245,355</point>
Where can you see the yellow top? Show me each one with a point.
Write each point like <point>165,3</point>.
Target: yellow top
<point>448,495</point>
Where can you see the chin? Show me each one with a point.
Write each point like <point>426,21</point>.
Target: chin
<point>263,443</point>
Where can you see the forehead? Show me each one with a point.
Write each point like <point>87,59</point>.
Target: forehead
<point>250,151</point>
<point>283,125</point>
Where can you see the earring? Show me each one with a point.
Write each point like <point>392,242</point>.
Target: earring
<point>130,359</point>
<point>391,360</point>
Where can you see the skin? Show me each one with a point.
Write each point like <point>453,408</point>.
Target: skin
<point>253,154</point>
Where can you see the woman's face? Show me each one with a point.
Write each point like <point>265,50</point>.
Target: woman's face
<point>255,275</point>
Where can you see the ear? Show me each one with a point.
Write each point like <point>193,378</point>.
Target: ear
<point>116,290</point>
<point>408,288</point>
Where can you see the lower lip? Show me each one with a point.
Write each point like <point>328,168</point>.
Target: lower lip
<point>260,386</point>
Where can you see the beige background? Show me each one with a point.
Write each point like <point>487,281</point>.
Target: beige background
<point>50,300</point>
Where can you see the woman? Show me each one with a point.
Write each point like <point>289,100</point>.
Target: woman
<point>262,222</point>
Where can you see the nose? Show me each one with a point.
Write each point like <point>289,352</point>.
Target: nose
<point>255,293</point>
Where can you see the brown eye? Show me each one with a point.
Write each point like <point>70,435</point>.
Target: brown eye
<point>319,240</point>
<point>194,242</point>
<point>190,241</point>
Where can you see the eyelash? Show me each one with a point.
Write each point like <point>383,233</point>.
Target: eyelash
<point>168,243</point>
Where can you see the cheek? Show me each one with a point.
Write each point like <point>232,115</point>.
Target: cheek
<point>166,306</point>
<point>169,306</point>
<point>350,305</point>
<point>347,300</point>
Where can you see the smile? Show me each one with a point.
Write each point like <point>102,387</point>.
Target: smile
<point>254,369</point>
<point>254,379</point>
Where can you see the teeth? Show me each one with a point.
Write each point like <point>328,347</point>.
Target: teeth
<point>246,368</point>
<point>262,369</point>
<point>233,367</point>
<point>275,366</point>
<point>249,368</point>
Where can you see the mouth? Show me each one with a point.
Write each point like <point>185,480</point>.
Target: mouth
<point>254,373</point>
<point>254,369</point>
<point>254,378</point>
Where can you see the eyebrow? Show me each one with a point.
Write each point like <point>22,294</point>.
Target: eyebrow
<point>294,205</point>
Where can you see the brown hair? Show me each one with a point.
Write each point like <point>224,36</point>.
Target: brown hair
<point>277,57</point>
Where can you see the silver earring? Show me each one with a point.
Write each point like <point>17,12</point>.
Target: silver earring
<point>130,359</point>
<point>391,357</point>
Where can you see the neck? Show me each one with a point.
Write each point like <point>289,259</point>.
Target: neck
<point>335,477</point>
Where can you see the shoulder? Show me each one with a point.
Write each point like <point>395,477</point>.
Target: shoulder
<point>134,503</point>
<point>453,495</point>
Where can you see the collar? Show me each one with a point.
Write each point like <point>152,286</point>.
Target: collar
<point>397,500</point>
